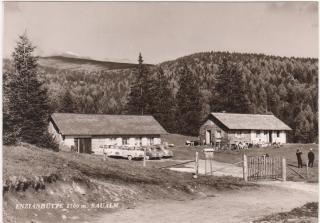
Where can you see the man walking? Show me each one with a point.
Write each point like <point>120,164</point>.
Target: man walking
<point>310,158</point>
<point>299,154</point>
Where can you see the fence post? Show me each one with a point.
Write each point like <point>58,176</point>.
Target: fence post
<point>144,157</point>
<point>245,168</point>
<point>104,154</point>
<point>284,170</point>
<point>211,158</point>
<point>196,165</point>
<point>205,165</point>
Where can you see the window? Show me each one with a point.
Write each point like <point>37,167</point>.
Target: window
<point>113,141</point>
<point>75,144</point>
<point>218,134</point>
<point>238,134</point>
<point>258,134</point>
<point>138,141</point>
<point>124,141</point>
<point>151,141</point>
<point>278,134</point>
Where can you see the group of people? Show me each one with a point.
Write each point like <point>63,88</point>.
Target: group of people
<point>310,158</point>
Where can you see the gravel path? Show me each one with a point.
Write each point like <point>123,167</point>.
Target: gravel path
<point>226,207</point>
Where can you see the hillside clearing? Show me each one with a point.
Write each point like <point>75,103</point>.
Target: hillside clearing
<point>33,175</point>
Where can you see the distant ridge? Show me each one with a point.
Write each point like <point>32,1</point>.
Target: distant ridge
<point>73,63</point>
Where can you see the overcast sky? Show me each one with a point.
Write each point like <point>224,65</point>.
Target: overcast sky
<point>163,31</point>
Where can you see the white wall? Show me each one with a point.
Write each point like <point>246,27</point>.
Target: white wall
<point>119,141</point>
<point>56,136</point>
<point>69,141</point>
<point>282,137</point>
<point>66,143</point>
<point>260,138</point>
<point>157,141</point>
<point>131,141</point>
<point>264,138</point>
<point>145,141</point>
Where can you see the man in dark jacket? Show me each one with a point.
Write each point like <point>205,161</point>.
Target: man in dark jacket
<point>299,154</point>
<point>310,158</point>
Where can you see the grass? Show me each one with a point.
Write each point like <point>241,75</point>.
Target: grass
<point>177,139</point>
<point>288,151</point>
<point>306,213</point>
<point>103,181</point>
<point>30,161</point>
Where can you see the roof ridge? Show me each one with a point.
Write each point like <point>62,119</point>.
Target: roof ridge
<point>228,113</point>
<point>65,113</point>
<point>106,124</point>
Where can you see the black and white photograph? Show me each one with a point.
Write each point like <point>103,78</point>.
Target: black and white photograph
<point>160,111</point>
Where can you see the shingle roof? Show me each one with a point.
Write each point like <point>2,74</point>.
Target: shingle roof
<point>250,121</point>
<point>96,124</point>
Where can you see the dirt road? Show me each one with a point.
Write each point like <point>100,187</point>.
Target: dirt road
<point>219,168</point>
<point>225,207</point>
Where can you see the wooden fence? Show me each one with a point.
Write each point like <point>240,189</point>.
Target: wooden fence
<point>262,167</point>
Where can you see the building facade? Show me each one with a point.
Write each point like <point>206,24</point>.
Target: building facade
<point>89,133</point>
<point>231,129</point>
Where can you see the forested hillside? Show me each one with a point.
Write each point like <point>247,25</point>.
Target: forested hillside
<point>232,82</point>
<point>286,87</point>
<point>94,86</point>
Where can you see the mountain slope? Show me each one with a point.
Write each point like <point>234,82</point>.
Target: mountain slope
<point>79,64</point>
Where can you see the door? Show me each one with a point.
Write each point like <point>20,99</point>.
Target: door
<point>84,145</point>
<point>270,136</point>
<point>208,137</point>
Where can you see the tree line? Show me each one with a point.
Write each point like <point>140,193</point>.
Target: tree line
<point>179,93</point>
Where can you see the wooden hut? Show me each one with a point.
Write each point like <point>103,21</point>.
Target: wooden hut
<point>249,128</point>
<point>87,133</point>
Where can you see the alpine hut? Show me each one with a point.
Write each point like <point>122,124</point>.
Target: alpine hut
<point>88,133</point>
<point>248,128</point>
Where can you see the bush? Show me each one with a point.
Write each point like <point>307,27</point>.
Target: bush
<point>47,141</point>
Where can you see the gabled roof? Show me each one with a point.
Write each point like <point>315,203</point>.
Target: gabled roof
<point>96,124</point>
<point>250,121</point>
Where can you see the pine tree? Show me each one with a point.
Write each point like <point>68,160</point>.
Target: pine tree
<point>161,104</point>
<point>188,104</point>
<point>10,131</point>
<point>67,105</point>
<point>239,101</point>
<point>27,98</point>
<point>138,98</point>
<point>231,91</point>
<point>220,94</point>
<point>302,129</point>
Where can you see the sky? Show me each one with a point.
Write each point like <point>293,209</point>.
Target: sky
<point>161,31</point>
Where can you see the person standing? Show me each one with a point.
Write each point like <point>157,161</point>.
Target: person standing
<point>299,154</point>
<point>310,158</point>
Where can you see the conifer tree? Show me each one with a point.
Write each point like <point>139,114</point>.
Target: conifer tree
<point>220,95</point>
<point>138,98</point>
<point>188,104</point>
<point>67,105</point>
<point>10,131</point>
<point>161,104</point>
<point>230,93</point>
<point>27,97</point>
